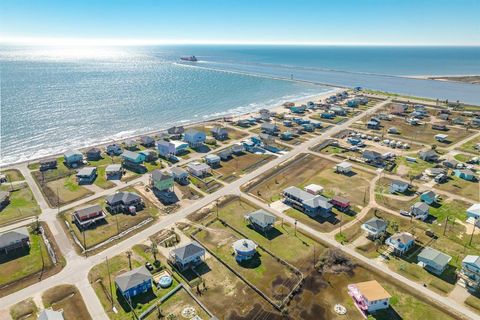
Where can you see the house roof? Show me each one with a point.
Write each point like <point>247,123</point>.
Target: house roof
<point>268,126</point>
<point>132,278</point>
<point>49,314</point>
<point>225,153</point>
<point>434,255</point>
<point>158,175</point>
<point>192,249</point>
<point>85,211</point>
<point>146,139</point>
<point>422,206</point>
<point>466,172</point>
<point>198,166</point>
<point>113,168</point>
<point>376,223</point>
<point>86,171</point>
<point>212,157</point>
<point>70,153</point>
<point>474,209</point>
<point>124,197</point>
<point>371,154</point>
<point>340,199</point>
<point>94,150</point>
<point>49,160</point>
<point>428,154</point>
<point>474,260</point>
<point>400,183</point>
<point>130,154</point>
<point>219,130</point>
<point>309,199</point>
<point>130,142</point>
<point>193,132</point>
<point>244,245</point>
<point>344,165</point>
<point>8,237</point>
<point>178,171</point>
<point>429,194</point>
<point>372,290</point>
<point>402,237</point>
<point>262,217</point>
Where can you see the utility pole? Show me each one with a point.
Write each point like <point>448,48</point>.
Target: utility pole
<point>296,227</point>
<point>109,282</point>
<point>84,243</point>
<point>473,232</point>
<point>445,228</point>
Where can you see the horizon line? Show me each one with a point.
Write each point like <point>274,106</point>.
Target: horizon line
<point>56,41</point>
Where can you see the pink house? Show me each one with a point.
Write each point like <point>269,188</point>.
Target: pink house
<point>369,296</point>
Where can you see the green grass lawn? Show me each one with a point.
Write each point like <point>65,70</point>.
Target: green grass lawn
<point>469,146</point>
<point>25,263</point>
<point>24,310</point>
<point>462,157</point>
<point>101,179</point>
<point>461,187</point>
<point>406,168</point>
<point>67,190</point>
<point>13,175</point>
<point>207,185</point>
<point>22,204</point>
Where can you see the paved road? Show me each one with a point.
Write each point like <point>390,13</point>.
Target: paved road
<point>77,268</point>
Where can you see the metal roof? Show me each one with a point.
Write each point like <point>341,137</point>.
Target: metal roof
<point>434,255</point>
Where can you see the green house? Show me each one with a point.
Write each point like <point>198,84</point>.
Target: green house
<point>162,181</point>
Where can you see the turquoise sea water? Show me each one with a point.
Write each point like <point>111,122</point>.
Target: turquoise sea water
<point>58,98</point>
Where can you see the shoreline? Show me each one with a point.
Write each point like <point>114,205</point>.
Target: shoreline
<point>276,108</point>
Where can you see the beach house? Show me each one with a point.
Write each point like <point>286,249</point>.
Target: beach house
<point>225,154</point>
<point>124,202</point>
<point>113,149</point>
<point>114,171</point>
<point>212,160</point>
<point>198,169</point>
<point>373,124</point>
<point>150,155</point>
<point>439,126</point>
<point>86,175</point>
<point>73,158</point>
<point>133,157</point>
<point>180,175</point>
<point>341,203</point>
<point>47,164</point>
<point>219,133</point>
<point>130,144</point>
<point>441,137</point>
<point>343,167</point>
<point>429,156</point>
<point>147,141</point>
<point>398,186</point>
<point>171,148</point>
<point>86,216</point>
<point>261,220</point>
<point>372,157</point>
<point>400,243</point>
<point>450,163</point>
<point>269,128</point>
<point>187,256</point>
<point>264,114</point>
<point>134,282</point>
<point>14,239</point>
<point>433,260</point>
<point>470,272</point>
<point>465,174</point>
<point>313,189</point>
<point>93,154</point>
<point>194,137</point>
<point>312,205</point>
<point>244,249</point>
<point>369,296</point>
<point>473,211</point>
<point>161,181</point>
<point>375,227</point>
<point>420,210</point>
<point>4,199</point>
<point>429,197</point>
<point>176,132</point>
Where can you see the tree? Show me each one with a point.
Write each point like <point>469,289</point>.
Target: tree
<point>129,256</point>
<point>434,146</point>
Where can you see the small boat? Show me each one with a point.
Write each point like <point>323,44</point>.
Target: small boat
<point>189,58</point>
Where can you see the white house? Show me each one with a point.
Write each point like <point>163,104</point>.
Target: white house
<point>343,167</point>
<point>441,137</point>
<point>369,296</point>
<point>198,169</point>
<point>313,189</point>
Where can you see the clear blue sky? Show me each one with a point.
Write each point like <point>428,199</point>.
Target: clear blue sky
<point>448,22</point>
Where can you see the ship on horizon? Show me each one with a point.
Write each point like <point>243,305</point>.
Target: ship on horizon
<point>189,58</point>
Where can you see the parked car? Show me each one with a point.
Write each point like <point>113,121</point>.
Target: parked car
<point>149,266</point>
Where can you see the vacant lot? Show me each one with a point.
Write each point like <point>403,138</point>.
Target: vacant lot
<point>233,134</point>
<point>24,310</point>
<point>207,184</point>
<point>237,166</point>
<point>469,146</point>
<point>113,225</point>
<point>263,270</point>
<point>22,204</point>
<point>420,133</point>
<point>397,201</point>
<point>461,187</point>
<point>13,175</point>
<point>66,298</point>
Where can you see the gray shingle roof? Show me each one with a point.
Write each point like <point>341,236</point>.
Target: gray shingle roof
<point>262,217</point>
<point>82,212</point>
<point>158,175</point>
<point>178,171</point>
<point>400,183</point>
<point>189,250</point>
<point>132,278</point>
<point>422,206</point>
<point>49,314</point>
<point>123,197</point>
<point>438,257</point>
<point>313,201</point>
<point>376,223</point>
<point>9,237</point>
<point>4,195</point>
<point>71,152</point>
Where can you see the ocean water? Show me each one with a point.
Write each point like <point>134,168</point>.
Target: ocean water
<point>53,99</point>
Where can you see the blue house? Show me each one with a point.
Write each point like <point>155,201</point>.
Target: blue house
<point>287,123</point>
<point>86,175</point>
<point>429,197</point>
<point>249,145</point>
<point>398,186</point>
<point>352,103</point>
<point>373,124</point>
<point>308,127</point>
<point>134,283</point>
<point>187,256</point>
<point>354,141</point>
<point>400,243</point>
<point>133,157</point>
<point>298,109</point>
<point>73,158</point>
<point>287,135</point>
<point>465,174</point>
<point>326,115</point>
<point>194,138</point>
<point>269,128</point>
